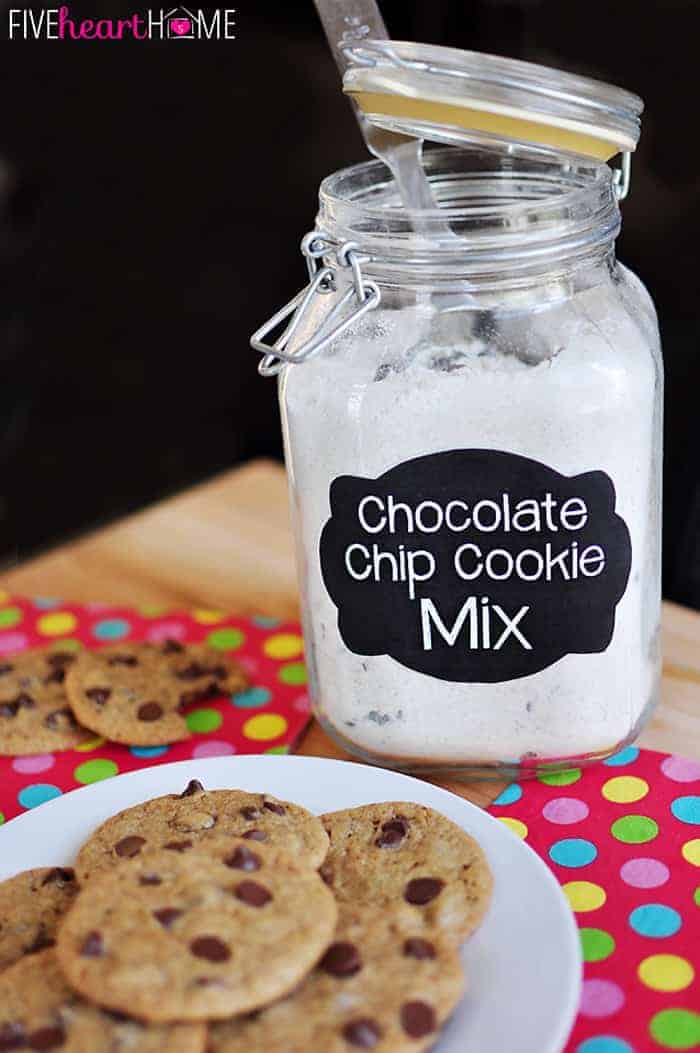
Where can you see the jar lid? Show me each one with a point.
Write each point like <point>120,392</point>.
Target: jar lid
<point>459,97</point>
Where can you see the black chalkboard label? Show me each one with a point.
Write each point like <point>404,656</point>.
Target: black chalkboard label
<point>475,566</point>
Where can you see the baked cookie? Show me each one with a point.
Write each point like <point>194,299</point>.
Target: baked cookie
<point>136,693</point>
<point>411,860</point>
<point>31,904</point>
<point>34,713</point>
<point>182,821</point>
<point>378,987</point>
<point>39,1011</point>
<point>192,937</point>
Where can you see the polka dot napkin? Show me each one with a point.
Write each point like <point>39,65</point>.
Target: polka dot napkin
<point>266,718</point>
<point>623,839</point>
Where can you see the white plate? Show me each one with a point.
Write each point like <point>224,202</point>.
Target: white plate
<point>523,965</point>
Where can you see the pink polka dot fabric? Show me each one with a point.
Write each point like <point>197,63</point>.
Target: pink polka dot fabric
<point>623,839</point>
<point>267,717</point>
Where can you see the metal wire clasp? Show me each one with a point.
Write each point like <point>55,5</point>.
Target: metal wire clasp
<point>314,247</point>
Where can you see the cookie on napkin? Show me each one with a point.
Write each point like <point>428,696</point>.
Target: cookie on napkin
<point>34,713</point>
<point>180,822</point>
<point>192,937</point>
<point>137,693</point>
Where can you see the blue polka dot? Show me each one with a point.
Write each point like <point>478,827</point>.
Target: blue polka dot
<point>687,809</point>
<point>38,793</point>
<point>46,603</point>
<point>510,795</point>
<point>252,698</point>
<point>266,623</point>
<point>148,751</point>
<point>111,629</point>
<point>626,756</point>
<point>604,1044</point>
<point>655,920</point>
<point>573,852</point>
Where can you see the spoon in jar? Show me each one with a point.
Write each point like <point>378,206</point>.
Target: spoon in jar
<point>347,22</point>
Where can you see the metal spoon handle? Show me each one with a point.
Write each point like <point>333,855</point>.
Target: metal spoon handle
<point>350,21</point>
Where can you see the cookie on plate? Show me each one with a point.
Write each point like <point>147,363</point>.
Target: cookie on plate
<point>182,821</point>
<point>136,693</point>
<point>378,986</point>
<point>39,1011</point>
<point>192,937</point>
<point>409,859</point>
<point>34,713</point>
<point>31,904</point>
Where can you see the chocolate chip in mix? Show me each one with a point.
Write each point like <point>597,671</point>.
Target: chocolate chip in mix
<point>31,905</point>
<point>138,693</point>
<point>39,1011</point>
<point>181,822</point>
<point>411,860</point>
<point>365,993</point>
<point>205,942</point>
<point>35,716</point>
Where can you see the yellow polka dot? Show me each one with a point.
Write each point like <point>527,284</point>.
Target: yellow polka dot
<point>152,610</point>
<point>514,824</point>
<point>205,617</point>
<point>90,744</point>
<point>691,851</point>
<point>283,645</point>
<point>624,789</point>
<point>265,726</point>
<point>584,895</point>
<point>666,972</point>
<point>4,596</point>
<point>56,623</point>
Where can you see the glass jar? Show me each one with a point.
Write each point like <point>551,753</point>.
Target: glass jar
<point>475,468</point>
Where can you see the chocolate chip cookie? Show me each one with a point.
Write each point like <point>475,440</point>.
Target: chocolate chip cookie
<point>137,693</point>
<point>378,986</point>
<point>39,1011</point>
<point>411,860</point>
<point>182,821</point>
<point>191,937</point>
<point>34,713</point>
<point>31,904</point>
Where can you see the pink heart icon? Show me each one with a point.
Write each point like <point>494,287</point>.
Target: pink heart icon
<point>180,26</point>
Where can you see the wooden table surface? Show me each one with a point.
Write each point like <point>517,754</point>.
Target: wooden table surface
<point>227,543</point>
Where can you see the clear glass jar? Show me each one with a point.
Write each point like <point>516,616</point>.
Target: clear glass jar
<point>475,470</point>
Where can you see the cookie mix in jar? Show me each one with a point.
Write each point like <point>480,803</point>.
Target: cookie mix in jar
<point>471,403</point>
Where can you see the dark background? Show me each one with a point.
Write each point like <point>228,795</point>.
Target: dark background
<point>155,195</point>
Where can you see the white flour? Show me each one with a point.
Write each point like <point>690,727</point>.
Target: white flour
<point>405,384</point>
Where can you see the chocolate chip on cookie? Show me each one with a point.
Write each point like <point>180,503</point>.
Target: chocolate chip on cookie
<point>31,905</point>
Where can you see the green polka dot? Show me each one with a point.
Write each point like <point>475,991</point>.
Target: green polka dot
<point>676,1028</point>
<point>225,639</point>
<point>10,616</point>
<point>278,749</point>
<point>200,720</point>
<point>634,829</point>
<point>293,673</point>
<point>560,778</point>
<point>2,818</point>
<point>66,645</point>
<point>696,896</point>
<point>95,770</point>
<point>596,945</point>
